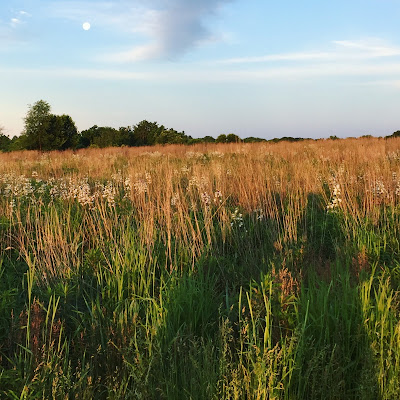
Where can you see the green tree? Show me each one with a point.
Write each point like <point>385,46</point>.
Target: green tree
<point>17,143</point>
<point>61,133</point>
<point>4,140</point>
<point>145,133</point>
<point>221,139</point>
<point>207,139</point>
<point>232,138</point>
<point>393,135</point>
<point>252,139</point>
<point>125,136</point>
<point>36,126</point>
<point>100,136</point>
<point>171,136</point>
<point>45,131</point>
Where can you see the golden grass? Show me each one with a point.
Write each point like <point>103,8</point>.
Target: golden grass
<point>172,187</point>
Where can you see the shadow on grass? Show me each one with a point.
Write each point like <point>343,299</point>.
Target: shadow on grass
<point>334,359</point>
<point>188,353</point>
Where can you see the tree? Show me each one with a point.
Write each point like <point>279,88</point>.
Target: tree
<point>221,139</point>
<point>61,133</point>
<point>207,139</point>
<point>252,139</point>
<point>232,138</point>
<point>145,133</point>
<point>17,143</point>
<point>393,135</point>
<point>4,140</point>
<point>100,136</point>
<point>45,131</point>
<point>125,136</point>
<point>36,126</point>
<point>171,136</point>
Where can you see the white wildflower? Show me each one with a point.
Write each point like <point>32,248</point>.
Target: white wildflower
<point>237,218</point>
<point>336,197</point>
<point>379,189</point>
<point>140,187</point>
<point>218,197</point>
<point>206,199</point>
<point>109,193</point>
<point>174,199</point>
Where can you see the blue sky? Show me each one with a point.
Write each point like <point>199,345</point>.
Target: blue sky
<point>252,67</point>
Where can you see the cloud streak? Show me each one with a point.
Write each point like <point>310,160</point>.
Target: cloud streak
<point>372,73</point>
<point>19,18</point>
<point>9,30</point>
<point>343,50</point>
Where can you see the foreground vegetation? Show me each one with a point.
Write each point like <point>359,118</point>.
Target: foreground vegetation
<point>235,271</point>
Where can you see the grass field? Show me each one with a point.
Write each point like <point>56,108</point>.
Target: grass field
<point>242,271</point>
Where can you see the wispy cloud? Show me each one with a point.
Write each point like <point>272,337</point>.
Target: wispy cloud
<point>84,73</point>
<point>19,18</point>
<point>9,30</point>
<point>14,22</point>
<point>342,50</point>
<point>167,28</point>
<point>393,83</point>
<point>383,74</point>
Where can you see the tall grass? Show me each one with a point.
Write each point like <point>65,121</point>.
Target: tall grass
<point>241,271</point>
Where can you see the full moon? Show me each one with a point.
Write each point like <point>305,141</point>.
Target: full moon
<point>86,26</point>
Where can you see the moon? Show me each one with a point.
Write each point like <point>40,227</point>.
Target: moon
<point>86,26</point>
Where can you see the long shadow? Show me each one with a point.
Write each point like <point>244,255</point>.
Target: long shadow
<point>334,359</point>
<point>188,353</point>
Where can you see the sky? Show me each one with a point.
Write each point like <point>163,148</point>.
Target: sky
<point>311,68</point>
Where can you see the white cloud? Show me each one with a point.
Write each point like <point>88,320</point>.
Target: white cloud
<point>139,53</point>
<point>169,28</point>
<point>200,73</point>
<point>94,74</point>
<point>14,22</point>
<point>370,60</point>
<point>394,83</point>
<point>18,19</point>
<point>342,50</point>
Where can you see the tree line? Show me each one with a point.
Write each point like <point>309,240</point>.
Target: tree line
<point>45,131</point>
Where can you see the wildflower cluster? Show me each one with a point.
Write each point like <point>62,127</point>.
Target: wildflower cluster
<point>16,186</point>
<point>195,155</point>
<point>237,218</point>
<point>174,199</point>
<point>141,187</point>
<point>216,154</point>
<point>397,190</point>
<point>206,199</point>
<point>218,197</point>
<point>393,156</point>
<point>36,190</point>
<point>378,189</point>
<point>199,182</point>
<point>336,197</point>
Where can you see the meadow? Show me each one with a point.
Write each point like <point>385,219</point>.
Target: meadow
<point>212,271</point>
